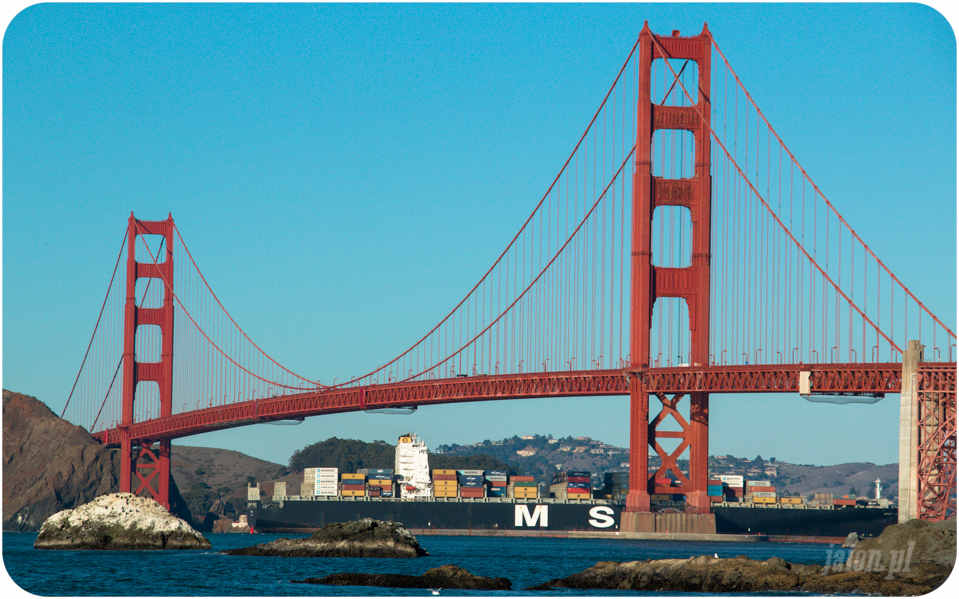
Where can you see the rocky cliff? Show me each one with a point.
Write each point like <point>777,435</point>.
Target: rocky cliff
<point>51,465</point>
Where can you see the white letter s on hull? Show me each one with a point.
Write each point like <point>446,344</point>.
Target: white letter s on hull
<point>602,517</point>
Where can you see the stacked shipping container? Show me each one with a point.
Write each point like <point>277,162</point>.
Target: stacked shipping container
<point>523,487</point>
<point>471,484</point>
<point>760,491</point>
<point>616,486</point>
<point>353,485</point>
<point>714,490</point>
<point>444,483</point>
<point>496,483</point>
<point>320,481</point>
<point>572,484</point>
<point>825,499</point>
<point>733,487</point>
<point>379,481</point>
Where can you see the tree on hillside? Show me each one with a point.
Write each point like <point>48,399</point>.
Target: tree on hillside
<point>349,455</point>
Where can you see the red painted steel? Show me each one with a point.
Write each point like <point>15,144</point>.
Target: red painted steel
<point>467,338</point>
<point>876,378</point>
<point>135,372</point>
<point>937,441</point>
<point>650,282</point>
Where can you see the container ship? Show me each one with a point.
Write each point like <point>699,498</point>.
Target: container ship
<point>477,500</point>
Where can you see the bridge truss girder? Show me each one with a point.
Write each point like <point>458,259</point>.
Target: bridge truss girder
<point>824,378</point>
<point>936,465</point>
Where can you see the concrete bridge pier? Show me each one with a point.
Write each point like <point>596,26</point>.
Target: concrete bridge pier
<point>909,433</point>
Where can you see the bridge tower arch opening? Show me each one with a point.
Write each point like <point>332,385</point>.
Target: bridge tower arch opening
<point>150,465</point>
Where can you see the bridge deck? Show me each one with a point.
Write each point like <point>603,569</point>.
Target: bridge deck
<point>824,378</point>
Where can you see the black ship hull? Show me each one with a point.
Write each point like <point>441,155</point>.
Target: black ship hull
<point>808,522</point>
<point>306,516</point>
<point>452,515</point>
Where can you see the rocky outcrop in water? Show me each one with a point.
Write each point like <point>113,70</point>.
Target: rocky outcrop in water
<point>911,558</point>
<point>362,538</point>
<point>444,577</point>
<point>51,465</point>
<point>696,574</point>
<point>906,560</point>
<point>118,521</point>
<point>925,544</point>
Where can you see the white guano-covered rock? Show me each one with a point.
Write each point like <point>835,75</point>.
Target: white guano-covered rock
<point>118,521</point>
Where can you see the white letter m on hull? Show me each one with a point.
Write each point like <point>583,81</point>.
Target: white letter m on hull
<point>540,515</point>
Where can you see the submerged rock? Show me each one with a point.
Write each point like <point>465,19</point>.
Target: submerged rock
<point>444,577</point>
<point>118,521</point>
<point>362,538</point>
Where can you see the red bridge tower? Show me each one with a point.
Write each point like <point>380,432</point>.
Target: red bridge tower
<point>651,282</point>
<point>152,467</point>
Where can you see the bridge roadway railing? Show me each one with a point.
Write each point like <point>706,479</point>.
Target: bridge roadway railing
<point>824,378</point>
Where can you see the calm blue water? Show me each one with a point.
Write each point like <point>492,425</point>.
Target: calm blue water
<point>525,561</point>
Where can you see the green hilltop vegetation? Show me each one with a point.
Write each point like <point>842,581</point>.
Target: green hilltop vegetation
<point>349,455</point>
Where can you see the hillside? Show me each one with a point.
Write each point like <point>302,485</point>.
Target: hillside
<point>350,455</point>
<point>542,455</point>
<point>207,475</point>
<point>51,465</point>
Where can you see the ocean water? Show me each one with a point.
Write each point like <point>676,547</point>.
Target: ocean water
<point>524,561</point>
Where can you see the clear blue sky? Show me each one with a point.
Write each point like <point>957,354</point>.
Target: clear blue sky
<point>344,173</point>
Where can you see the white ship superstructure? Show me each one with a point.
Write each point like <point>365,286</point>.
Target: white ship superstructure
<point>413,468</point>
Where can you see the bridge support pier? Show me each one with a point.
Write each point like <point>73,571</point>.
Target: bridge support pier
<point>909,433</point>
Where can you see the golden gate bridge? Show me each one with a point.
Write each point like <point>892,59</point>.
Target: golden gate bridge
<point>680,251</point>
